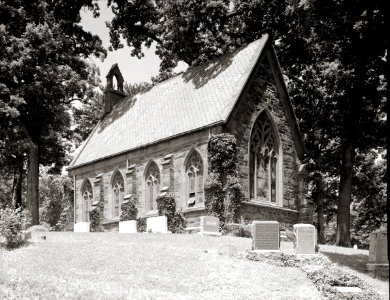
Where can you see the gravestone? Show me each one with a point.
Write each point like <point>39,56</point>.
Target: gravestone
<point>128,226</point>
<point>209,225</point>
<point>378,247</point>
<point>305,239</point>
<point>266,235</point>
<point>81,227</point>
<point>378,263</point>
<point>157,224</point>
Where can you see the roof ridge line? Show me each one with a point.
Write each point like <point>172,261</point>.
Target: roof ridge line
<point>253,67</point>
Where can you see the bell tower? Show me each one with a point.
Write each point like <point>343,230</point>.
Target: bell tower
<point>112,93</point>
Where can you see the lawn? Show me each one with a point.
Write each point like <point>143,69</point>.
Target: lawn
<point>144,266</point>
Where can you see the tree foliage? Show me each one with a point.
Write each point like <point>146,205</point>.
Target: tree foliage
<point>42,51</point>
<point>52,193</point>
<point>191,31</point>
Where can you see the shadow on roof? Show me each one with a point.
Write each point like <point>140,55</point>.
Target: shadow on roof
<point>201,74</point>
<point>118,110</point>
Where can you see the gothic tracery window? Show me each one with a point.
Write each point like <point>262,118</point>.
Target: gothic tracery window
<point>87,200</point>
<point>118,193</point>
<point>152,180</point>
<point>194,179</point>
<point>263,160</point>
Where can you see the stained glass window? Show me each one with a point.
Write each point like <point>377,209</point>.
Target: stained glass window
<point>87,199</point>
<point>263,160</point>
<point>152,186</point>
<point>117,193</point>
<point>194,179</point>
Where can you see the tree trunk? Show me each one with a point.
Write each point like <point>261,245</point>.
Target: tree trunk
<point>33,183</point>
<point>17,192</point>
<point>319,200</point>
<point>344,200</point>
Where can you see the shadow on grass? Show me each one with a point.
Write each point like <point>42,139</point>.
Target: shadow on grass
<point>356,262</point>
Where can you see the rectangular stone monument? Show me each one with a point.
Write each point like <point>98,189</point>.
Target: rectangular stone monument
<point>305,239</point>
<point>378,261</point>
<point>128,226</point>
<point>157,224</point>
<point>209,225</point>
<point>266,235</point>
<point>81,227</point>
<point>378,247</point>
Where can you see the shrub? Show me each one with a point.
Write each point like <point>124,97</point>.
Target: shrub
<point>239,230</point>
<point>178,223</point>
<point>291,237</point>
<point>37,228</point>
<point>166,206</point>
<point>222,188</point>
<point>94,218</point>
<point>326,279</point>
<point>141,224</point>
<point>65,223</point>
<point>13,225</point>
<point>128,210</point>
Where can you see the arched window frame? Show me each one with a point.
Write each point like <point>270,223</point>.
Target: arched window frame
<point>152,180</point>
<point>117,193</point>
<point>86,199</point>
<point>265,148</point>
<point>194,179</point>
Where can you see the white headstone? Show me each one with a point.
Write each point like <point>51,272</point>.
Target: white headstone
<point>306,238</point>
<point>266,235</point>
<point>128,226</point>
<point>209,225</point>
<point>157,224</point>
<point>81,227</point>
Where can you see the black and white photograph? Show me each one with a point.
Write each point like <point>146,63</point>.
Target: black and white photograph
<point>193,149</point>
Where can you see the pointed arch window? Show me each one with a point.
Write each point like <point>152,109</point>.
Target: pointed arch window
<point>152,184</point>
<point>194,179</point>
<point>117,193</point>
<point>87,195</point>
<point>263,160</point>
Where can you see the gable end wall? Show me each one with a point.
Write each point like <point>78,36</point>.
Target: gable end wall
<point>261,93</point>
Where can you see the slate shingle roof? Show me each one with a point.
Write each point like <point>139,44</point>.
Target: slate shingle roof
<point>198,98</point>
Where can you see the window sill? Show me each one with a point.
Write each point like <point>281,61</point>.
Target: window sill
<point>111,221</point>
<point>195,208</point>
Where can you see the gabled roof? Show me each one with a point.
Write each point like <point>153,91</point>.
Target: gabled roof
<point>201,97</point>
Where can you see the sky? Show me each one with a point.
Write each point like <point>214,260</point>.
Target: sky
<point>134,70</point>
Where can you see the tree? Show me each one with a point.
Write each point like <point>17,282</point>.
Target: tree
<point>88,115</point>
<point>369,195</point>
<point>191,31</point>
<point>42,69</point>
<point>341,40</point>
<point>334,52</point>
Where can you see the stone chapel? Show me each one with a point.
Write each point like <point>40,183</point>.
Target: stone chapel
<point>156,142</point>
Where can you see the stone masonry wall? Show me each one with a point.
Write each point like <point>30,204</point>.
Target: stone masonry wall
<point>170,158</point>
<point>262,94</point>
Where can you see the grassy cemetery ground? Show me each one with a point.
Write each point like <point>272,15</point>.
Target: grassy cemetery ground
<point>145,266</point>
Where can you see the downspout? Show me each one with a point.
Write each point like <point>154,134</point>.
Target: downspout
<point>74,199</point>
